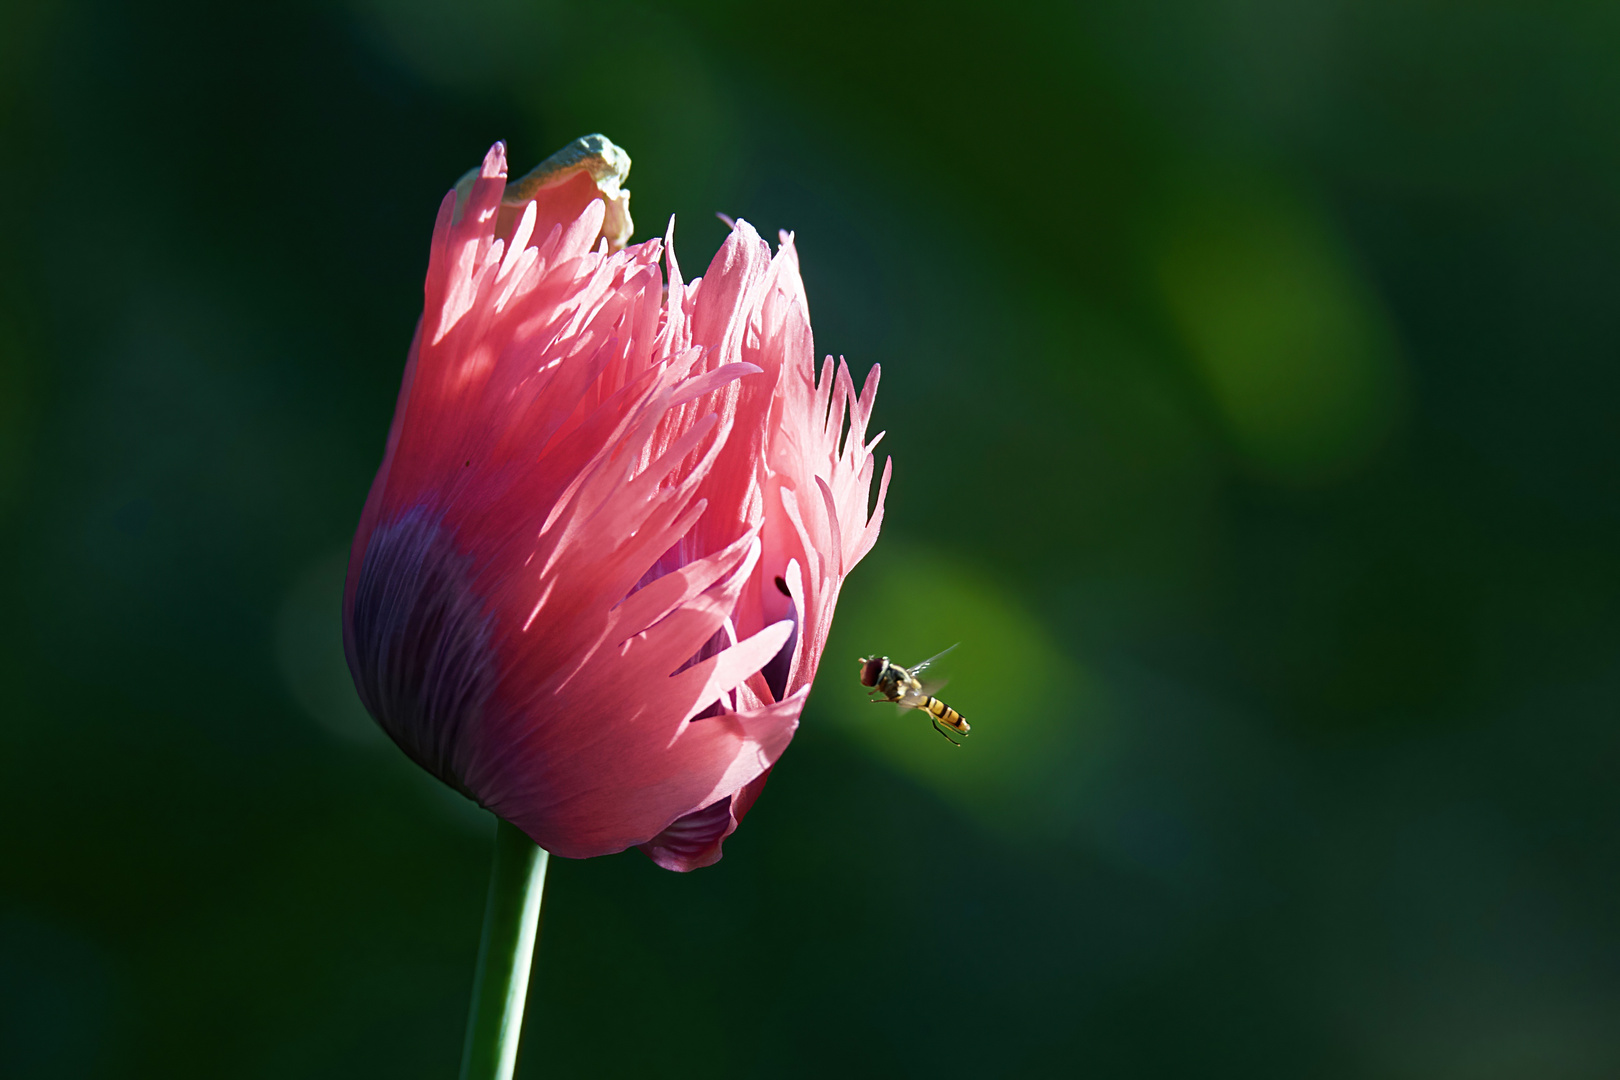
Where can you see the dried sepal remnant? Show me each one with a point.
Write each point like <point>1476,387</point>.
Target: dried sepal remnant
<point>595,573</point>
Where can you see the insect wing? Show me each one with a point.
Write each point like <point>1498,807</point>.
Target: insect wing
<point>918,667</point>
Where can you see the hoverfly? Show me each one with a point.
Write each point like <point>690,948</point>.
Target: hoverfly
<point>901,686</point>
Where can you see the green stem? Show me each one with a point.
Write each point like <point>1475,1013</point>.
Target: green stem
<point>511,924</point>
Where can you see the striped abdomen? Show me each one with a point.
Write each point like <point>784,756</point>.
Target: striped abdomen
<point>946,715</point>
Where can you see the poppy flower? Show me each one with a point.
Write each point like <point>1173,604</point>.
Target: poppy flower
<point>596,570</point>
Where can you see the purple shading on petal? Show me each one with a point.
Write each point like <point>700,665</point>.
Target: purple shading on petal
<point>421,658</point>
<point>688,837</point>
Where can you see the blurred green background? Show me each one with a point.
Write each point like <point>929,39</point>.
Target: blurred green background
<point>1250,369</point>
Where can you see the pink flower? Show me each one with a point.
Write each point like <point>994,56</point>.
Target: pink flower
<point>596,570</point>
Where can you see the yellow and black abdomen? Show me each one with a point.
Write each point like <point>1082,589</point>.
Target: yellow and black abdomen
<point>946,715</point>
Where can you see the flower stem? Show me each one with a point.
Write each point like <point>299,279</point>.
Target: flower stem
<point>511,925</point>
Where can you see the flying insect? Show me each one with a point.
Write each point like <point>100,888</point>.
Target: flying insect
<point>901,686</point>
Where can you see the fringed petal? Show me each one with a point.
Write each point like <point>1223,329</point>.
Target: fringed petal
<point>594,575</point>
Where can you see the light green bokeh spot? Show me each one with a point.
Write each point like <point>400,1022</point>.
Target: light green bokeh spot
<point>309,652</point>
<point>1033,708</point>
<point>1293,347</point>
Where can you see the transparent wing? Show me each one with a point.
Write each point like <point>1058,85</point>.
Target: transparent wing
<point>932,687</point>
<point>914,668</point>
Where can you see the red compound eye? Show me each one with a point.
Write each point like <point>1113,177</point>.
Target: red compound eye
<point>870,669</point>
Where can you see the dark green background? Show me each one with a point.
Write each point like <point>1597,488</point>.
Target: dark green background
<point>1250,372</point>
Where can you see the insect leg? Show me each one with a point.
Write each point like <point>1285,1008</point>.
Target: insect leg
<point>948,739</point>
